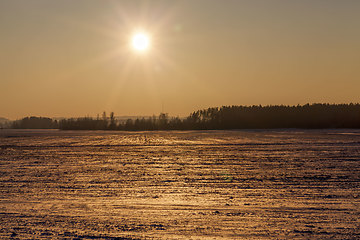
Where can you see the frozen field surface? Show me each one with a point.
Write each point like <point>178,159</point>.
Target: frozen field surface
<point>260,184</point>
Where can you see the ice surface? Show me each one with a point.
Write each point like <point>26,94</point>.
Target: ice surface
<point>255,184</point>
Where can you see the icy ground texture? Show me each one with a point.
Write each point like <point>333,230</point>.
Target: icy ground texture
<point>284,184</point>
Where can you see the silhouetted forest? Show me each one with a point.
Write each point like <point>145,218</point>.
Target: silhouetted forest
<point>226,117</point>
<point>161,122</point>
<point>306,116</point>
<point>234,117</point>
<point>35,123</point>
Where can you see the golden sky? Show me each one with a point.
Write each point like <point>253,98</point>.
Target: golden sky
<point>72,58</point>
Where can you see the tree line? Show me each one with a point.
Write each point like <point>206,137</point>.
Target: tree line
<point>278,116</point>
<point>226,117</point>
<point>161,122</point>
<point>35,123</point>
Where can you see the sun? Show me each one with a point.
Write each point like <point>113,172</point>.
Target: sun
<point>140,41</point>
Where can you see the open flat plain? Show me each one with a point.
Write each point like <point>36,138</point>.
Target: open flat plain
<point>253,184</point>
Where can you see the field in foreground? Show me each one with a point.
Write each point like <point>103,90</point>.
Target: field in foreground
<point>280,184</point>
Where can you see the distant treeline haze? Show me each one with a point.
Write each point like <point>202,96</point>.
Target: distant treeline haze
<point>35,123</point>
<point>226,117</point>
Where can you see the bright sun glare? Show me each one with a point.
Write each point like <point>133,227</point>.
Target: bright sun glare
<point>140,42</point>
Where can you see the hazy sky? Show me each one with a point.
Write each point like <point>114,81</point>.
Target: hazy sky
<point>72,58</point>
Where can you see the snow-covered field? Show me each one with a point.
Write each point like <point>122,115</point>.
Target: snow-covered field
<point>255,184</point>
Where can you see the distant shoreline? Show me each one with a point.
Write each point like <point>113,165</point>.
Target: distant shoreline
<point>314,116</point>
